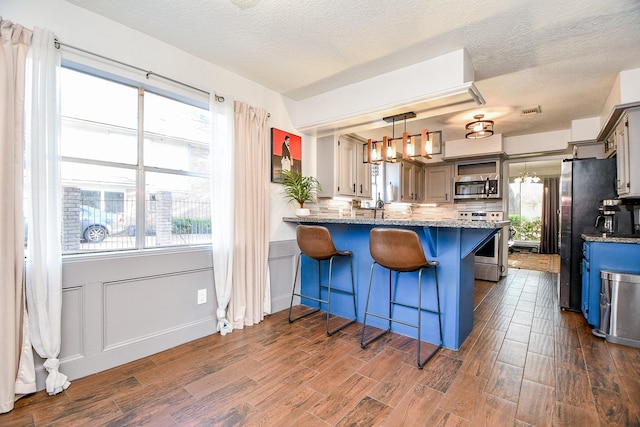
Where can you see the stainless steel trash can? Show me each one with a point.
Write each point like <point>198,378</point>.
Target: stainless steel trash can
<point>620,308</point>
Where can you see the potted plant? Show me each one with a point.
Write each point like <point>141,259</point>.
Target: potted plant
<point>300,188</point>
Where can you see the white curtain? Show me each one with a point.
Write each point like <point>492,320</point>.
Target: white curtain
<point>250,298</point>
<point>43,206</point>
<point>17,372</point>
<point>222,223</point>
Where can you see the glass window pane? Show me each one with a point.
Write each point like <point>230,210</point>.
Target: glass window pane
<point>178,210</point>
<point>165,116</point>
<point>98,208</point>
<point>170,153</point>
<point>98,100</point>
<point>97,141</point>
<point>525,210</point>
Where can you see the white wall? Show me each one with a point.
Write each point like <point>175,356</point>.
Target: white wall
<point>545,142</point>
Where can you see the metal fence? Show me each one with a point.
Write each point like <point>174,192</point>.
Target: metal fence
<point>97,224</point>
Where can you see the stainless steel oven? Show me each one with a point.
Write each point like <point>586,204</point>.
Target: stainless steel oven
<point>489,264</point>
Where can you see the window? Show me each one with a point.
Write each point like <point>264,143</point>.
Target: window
<point>525,211</point>
<point>132,160</point>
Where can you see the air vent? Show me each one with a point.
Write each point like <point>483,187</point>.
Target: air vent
<point>531,111</point>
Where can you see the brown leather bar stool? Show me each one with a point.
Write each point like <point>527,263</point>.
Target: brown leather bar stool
<point>315,242</point>
<point>400,250</point>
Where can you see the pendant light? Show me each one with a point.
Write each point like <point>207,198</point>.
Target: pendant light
<point>479,128</point>
<point>418,145</point>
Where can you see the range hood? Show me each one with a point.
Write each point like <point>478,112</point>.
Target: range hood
<point>437,86</point>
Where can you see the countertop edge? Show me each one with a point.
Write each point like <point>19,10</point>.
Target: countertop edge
<point>610,239</point>
<point>402,222</point>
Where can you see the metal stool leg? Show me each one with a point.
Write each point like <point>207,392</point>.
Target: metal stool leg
<point>433,353</point>
<point>363,343</point>
<point>293,293</point>
<point>331,332</point>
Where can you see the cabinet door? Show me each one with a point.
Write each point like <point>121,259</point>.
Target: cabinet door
<point>438,184</point>
<point>363,178</point>
<point>346,167</point>
<point>407,174</point>
<point>586,281</point>
<point>420,183</point>
<point>622,157</point>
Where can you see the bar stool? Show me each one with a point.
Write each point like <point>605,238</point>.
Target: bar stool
<point>315,242</point>
<point>400,250</point>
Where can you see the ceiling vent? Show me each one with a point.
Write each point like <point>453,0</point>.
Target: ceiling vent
<point>530,111</point>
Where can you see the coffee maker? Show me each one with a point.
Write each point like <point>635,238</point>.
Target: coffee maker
<point>605,221</point>
<point>616,218</point>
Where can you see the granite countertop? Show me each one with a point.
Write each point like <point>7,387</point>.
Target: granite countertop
<point>611,238</point>
<point>411,222</point>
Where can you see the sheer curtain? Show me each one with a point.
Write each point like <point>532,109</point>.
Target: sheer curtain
<point>222,219</point>
<point>250,298</point>
<point>17,372</point>
<point>550,200</point>
<point>44,209</point>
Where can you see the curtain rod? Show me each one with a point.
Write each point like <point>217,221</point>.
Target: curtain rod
<point>148,73</point>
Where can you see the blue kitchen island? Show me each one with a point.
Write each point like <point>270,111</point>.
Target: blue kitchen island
<point>452,243</point>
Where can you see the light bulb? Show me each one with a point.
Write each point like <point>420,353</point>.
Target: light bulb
<point>410,151</point>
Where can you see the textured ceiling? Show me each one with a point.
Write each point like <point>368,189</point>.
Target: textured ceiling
<point>561,55</point>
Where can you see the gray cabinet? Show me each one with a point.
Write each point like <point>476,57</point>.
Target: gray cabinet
<point>627,143</point>
<point>412,182</point>
<point>438,184</point>
<point>341,169</point>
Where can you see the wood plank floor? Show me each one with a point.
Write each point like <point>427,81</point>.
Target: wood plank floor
<point>525,363</point>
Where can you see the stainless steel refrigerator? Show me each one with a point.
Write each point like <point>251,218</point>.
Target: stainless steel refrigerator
<point>584,183</point>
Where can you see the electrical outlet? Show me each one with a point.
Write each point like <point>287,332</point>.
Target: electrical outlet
<point>202,296</point>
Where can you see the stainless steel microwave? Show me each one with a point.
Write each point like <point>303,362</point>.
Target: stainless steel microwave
<point>485,186</point>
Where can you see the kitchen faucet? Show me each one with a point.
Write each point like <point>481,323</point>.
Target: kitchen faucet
<point>378,205</point>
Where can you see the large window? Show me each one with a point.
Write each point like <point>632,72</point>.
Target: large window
<point>135,167</point>
<point>525,211</point>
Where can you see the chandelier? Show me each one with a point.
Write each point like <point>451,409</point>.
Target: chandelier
<point>479,128</point>
<point>422,144</point>
<point>526,178</point>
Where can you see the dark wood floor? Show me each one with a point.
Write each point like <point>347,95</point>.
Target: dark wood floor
<point>525,363</point>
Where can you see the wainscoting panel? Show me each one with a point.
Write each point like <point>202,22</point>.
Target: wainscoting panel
<point>282,265</point>
<point>121,307</point>
<point>139,309</point>
<point>72,344</point>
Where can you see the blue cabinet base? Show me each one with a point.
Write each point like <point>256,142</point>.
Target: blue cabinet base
<point>600,256</point>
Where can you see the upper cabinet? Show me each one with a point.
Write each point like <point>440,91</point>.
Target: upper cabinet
<point>341,169</point>
<point>627,142</point>
<point>412,178</point>
<point>408,177</point>
<point>438,184</point>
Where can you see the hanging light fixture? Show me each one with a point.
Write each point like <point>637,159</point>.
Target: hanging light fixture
<point>525,178</point>
<point>479,128</point>
<point>419,145</point>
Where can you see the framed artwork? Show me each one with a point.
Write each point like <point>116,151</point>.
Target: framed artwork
<point>286,153</point>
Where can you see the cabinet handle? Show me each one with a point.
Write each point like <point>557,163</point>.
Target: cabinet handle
<point>446,196</point>
<point>354,187</point>
<point>360,188</point>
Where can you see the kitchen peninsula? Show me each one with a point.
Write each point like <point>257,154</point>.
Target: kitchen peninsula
<point>451,242</point>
